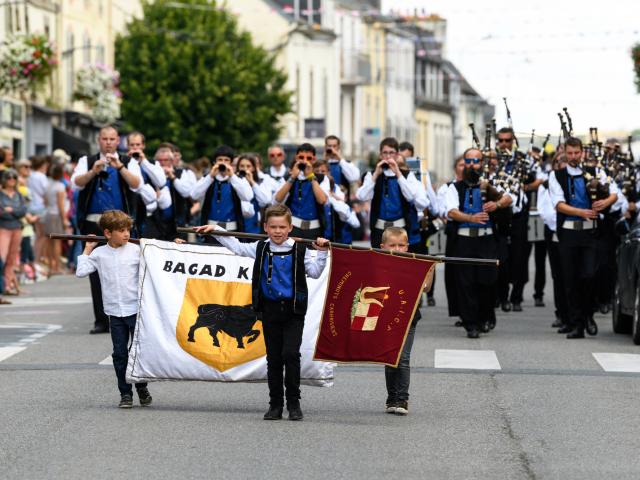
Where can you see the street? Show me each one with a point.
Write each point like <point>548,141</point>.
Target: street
<point>526,403</point>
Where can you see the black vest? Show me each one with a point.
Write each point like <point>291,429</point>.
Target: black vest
<point>563,178</point>
<point>301,293</point>
<point>181,205</point>
<point>206,206</point>
<point>462,188</point>
<point>84,197</point>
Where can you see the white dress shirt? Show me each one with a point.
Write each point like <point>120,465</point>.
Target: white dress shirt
<point>412,190</point>
<point>154,171</point>
<point>133,166</point>
<point>344,212</point>
<point>556,192</point>
<point>240,185</point>
<point>184,185</point>
<point>314,260</point>
<point>545,208</point>
<point>349,170</point>
<point>325,185</point>
<point>118,271</point>
<point>440,205</point>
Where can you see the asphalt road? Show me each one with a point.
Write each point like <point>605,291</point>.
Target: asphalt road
<point>532,405</point>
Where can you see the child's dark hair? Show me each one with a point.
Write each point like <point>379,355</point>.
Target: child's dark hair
<point>115,220</point>
<point>277,211</point>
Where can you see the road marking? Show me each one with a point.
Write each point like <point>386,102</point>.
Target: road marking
<point>6,352</point>
<point>467,359</point>
<point>46,301</point>
<point>107,361</point>
<point>31,332</point>
<point>618,362</point>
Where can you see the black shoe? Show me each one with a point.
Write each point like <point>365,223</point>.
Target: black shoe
<point>144,396</point>
<point>458,323</point>
<point>557,324</point>
<point>99,329</point>
<point>517,307</point>
<point>565,329</point>
<point>295,413</point>
<point>492,324</point>
<point>592,327</point>
<point>506,306</point>
<point>126,401</point>
<point>484,328</point>
<point>538,302</point>
<point>390,407</point>
<point>577,333</point>
<point>431,302</point>
<point>473,333</point>
<point>274,413</point>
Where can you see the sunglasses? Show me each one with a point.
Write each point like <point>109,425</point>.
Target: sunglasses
<point>469,161</point>
<point>276,155</point>
<point>308,158</point>
<point>504,140</point>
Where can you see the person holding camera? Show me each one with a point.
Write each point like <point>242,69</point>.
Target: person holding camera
<point>305,195</point>
<point>221,192</point>
<point>395,194</point>
<point>180,183</point>
<point>343,172</point>
<point>147,222</point>
<point>262,192</point>
<point>106,181</point>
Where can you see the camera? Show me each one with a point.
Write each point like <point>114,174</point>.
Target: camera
<point>242,174</point>
<point>302,166</point>
<point>329,151</point>
<point>222,168</point>
<point>135,155</point>
<point>384,166</point>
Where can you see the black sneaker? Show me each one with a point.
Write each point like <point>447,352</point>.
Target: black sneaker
<point>274,413</point>
<point>402,407</point>
<point>538,302</point>
<point>295,413</point>
<point>431,302</point>
<point>391,407</point>
<point>473,333</point>
<point>506,306</point>
<point>517,307</point>
<point>144,396</point>
<point>126,401</point>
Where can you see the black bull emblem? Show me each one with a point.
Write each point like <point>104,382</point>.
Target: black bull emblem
<point>233,320</point>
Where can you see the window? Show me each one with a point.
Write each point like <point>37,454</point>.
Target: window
<point>86,49</point>
<point>47,26</point>
<point>9,19</point>
<point>70,68</point>
<point>100,53</point>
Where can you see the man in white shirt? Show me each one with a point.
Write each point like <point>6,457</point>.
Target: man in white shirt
<point>343,172</point>
<point>117,265</point>
<point>277,170</point>
<point>106,181</point>
<point>578,217</point>
<point>395,194</point>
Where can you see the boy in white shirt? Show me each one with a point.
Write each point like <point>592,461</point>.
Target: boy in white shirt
<point>117,265</point>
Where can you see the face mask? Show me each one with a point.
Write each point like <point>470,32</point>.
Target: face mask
<point>320,177</point>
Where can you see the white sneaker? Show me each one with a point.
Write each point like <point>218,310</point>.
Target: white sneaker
<point>390,408</point>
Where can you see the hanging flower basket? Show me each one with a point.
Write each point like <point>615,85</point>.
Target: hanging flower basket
<point>26,63</point>
<point>97,86</point>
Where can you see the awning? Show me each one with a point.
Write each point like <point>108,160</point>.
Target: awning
<point>69,143</point>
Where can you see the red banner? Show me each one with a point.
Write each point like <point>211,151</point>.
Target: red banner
<point>371,299</point>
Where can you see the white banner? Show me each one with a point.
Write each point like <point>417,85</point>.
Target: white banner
<point>195,320</point>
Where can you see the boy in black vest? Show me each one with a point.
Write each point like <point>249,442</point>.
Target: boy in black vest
<point>280,298</point>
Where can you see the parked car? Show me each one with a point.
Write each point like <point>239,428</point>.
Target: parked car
<point>626,301</point>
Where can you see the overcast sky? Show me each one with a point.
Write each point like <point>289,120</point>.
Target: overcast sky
<point>544,55</point>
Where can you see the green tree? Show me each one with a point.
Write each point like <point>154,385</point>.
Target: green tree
<point>190,76</point>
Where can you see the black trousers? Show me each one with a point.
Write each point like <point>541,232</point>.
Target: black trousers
<point>476,286</point>
<point>450,278</point>
<point>559,296</point>
<point>503,268</point>
<point>540,252</point>
<point>101,320</point>
<point>283,337</point>
<point>518,256</point>
<point>578,256</point>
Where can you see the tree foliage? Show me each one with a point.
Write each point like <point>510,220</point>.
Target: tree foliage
<point>190,76</point>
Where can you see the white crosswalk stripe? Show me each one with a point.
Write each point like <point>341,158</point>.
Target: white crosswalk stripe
<point>618,362</point>
<point>467,359</point>
<point>107,361</point>
<point>6,352</point>
<point>17,336</point>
